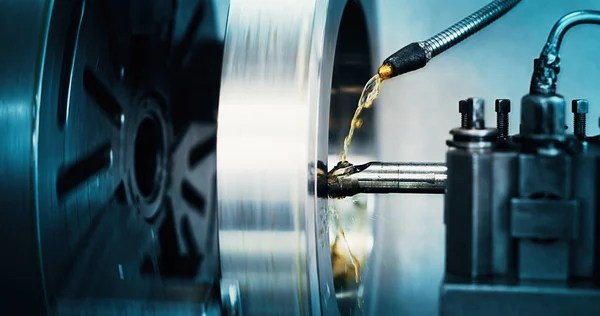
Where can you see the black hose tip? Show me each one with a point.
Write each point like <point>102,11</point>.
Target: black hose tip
<point>407,59</point>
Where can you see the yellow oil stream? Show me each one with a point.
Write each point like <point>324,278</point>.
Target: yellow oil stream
<point>367,97</point>
<point>369,94</point>
<point>355,261</point>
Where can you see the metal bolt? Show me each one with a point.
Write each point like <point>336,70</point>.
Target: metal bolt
<point>579,108</point>
<point>465,112</point>
<point>502,110</point>
<point>121,274</point>
<point>230,297</point>
<point>477,106</point>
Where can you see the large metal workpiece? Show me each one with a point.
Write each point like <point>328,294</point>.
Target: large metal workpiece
<point>277,85</point>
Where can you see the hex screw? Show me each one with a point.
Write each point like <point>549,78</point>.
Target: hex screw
<point>502,110</point>
<point>465,113</point>
<point>580,108</point>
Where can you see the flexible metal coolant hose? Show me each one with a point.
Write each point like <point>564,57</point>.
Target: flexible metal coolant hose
<point>416,55</point>
<point>547,66</point>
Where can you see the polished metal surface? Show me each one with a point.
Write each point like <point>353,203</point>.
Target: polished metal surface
<point>20,72</point>
<point>272,136</point>
<point>385,177</point>
<point>230,298</point>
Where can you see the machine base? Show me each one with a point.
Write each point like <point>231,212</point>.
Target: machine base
<point>458,298</point>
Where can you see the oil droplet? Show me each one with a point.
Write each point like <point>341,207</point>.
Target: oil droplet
<point>358,123</point>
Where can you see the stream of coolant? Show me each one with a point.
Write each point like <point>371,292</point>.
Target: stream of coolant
<point>353,258</point>
<point>367,97</point>
<point>369,94</point>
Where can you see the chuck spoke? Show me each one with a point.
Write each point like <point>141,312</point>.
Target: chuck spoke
<point>190,33</point>
<point>81,171</point>
<point>103,97</point>
<point>200,151</point>
<point>193,198</point>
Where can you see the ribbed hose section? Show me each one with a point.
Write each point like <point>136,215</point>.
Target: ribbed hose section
<point>466,27</point>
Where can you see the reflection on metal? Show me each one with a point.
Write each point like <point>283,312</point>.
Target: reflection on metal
<point>273,133</point>
<point>385,177</point>
<point>351,239</point>
<point>351,219</point>
<point>230,298</point>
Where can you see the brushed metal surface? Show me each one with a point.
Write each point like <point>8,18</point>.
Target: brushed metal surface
<point>21,64</point>
<point>273,132</point>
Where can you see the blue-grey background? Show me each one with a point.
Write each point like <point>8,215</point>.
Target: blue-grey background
<point>416,111</point>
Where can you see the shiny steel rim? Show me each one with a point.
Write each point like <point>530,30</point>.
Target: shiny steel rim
<point>272,137</point>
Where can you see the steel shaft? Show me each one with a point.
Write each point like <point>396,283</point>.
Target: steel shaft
<point>383,177</point>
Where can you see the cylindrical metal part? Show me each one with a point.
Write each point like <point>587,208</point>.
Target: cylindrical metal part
<point>580,108</point>
<point>502,121</point>
<point>579,122</point>
<point>382,177</point>
<point>502,125</point>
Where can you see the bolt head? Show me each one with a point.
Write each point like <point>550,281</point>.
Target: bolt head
<point>579,106</point>
<point>502,106</point>
<point>464,107</point>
